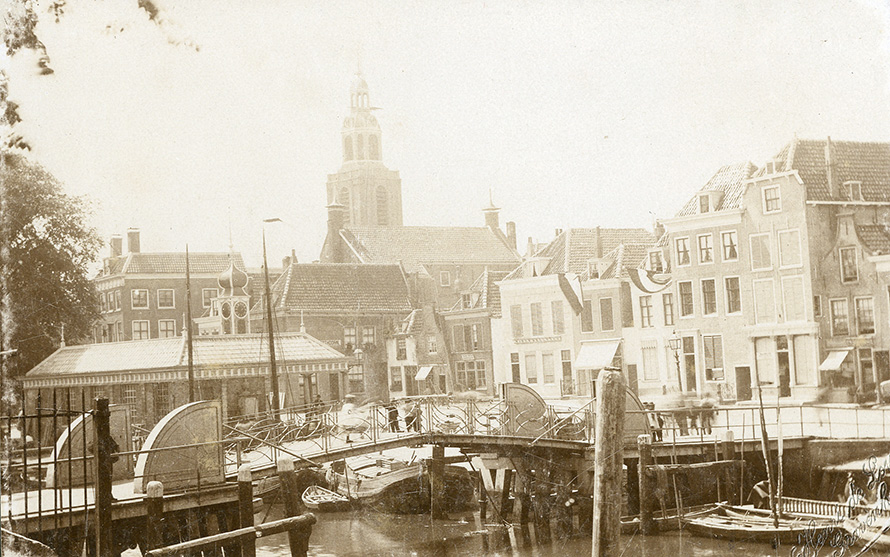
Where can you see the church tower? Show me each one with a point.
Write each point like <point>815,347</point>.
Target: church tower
<point>370,192</point>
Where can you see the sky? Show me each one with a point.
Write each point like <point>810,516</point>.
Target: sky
<point>571,113</point>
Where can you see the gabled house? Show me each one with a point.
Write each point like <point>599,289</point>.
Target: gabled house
<point>566,310</point>
<point>352,308</point>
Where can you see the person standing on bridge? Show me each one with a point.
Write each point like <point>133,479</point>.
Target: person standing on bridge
<point>392,417</point>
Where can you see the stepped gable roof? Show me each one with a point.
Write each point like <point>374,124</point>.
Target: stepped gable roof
<point>415,246</point>
<point>860,161</point>
<point>874,237</point>
<point>342,288</point>
<point>730,179</point>
<point>173,263</point>
<point>168,353</point>
<point>489,293</point>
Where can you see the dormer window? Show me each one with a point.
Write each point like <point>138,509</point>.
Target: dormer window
<point>853,191</point>
<point>592,270</point>
<point>704,204</point>
<point>655,264</point>
<point>770,167</point>
<point>466,300</point>
<point>708,201</point>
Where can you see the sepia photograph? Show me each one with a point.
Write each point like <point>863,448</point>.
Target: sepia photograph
<point>446,278</point>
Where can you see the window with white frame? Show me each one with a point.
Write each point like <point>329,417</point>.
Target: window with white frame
<point>140,330</point>
<point>686,305</point>
<point>804,364</point>
<point>350,337</point>
<point>432,346</point>
<point>531,369</point>
<point>163,399</point>
<point>789,248</point>
<point>548,367</point>
<point>444,278</point>
<point>730,242</point>
<point>853,190</point>
<point>667,302</point>
<point>514,367</point>
<point>139,298</point>
<point>713,357</point>
<point>793,297</point>
<point>840,317</point>
<point>733,295</point>
<point>131,400</point>
<point>395,378</point>
<point>368,335</point>
<point>645,311</point>
<point>772,202</point>
<point>865,316</point>
<point>849,266</point>
<point>516,320</point>
<point>765,358</point>
<point>537,312</point>
<point>165,298</point>
<point>401,349</point>
<point>760,252</point>
<point>709,296</point>
<point>705,249</point>
<point>866,365</point>
<point>558,317</point>
<point>208,295</point>
<point>166,328</point>
<point>655,264</point>
<point>649,351</point>
<point>764,301</point>
<point>682,251</point>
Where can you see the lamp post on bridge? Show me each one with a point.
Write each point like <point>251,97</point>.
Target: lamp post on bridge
<point>674,342</point>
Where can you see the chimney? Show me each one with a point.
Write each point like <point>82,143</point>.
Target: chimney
<point>658,229</point>
<point>599,243</point>
<point>491,217</point>
<point>557,232</point>
<point>336,219</point>
<point>829,168</point>
<point>288,260</point>
<point>133,240</point>
<point>117,245</point>
<point>511,234</point>
<point>529,247</point>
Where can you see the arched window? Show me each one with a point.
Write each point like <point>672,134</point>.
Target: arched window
<point>382,206</point>
<point>347,148</point>
<point>359,148</point>
<point>344,200</point>
<point>373,148</point>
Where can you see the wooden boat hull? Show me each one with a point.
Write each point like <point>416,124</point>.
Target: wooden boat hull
<point>407,490</point>
<point>668,522</point>
<point>322,500</point>
<point>733,524</point>
<point>872,536</point>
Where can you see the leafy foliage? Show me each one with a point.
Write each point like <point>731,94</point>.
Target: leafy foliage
<point>46,248</point>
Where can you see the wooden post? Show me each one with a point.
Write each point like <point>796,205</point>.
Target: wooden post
<point>609,443</point>
<point>727,452</point>
<point>483,497</point>
<point>104,467</point>
<point>293,506</point>
<point>542,505</point>
<point>245,508</point>
<point>154,507</point>
<point>437,483</point>
<point>504,503</point>
<point>647,491</point>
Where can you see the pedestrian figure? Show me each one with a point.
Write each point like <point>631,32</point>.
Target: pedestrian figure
<point>408,409</point>
<point>417,415</point>
<point>708,412</point>
<point>392,417</point>
<point>759,496</point>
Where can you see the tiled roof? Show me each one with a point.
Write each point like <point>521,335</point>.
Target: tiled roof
<point>415,246</point>
<point>489,293</point>
<point>860,161</point>
<point>730,179</point>
<point>342,287</point>
<point>173,263</point>
<point>167,353</point>
<point>624,256</point>
<point>572,249</point>
<point>413,324</point>
<point>874,237</point>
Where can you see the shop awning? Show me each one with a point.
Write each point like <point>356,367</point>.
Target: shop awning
<point>834,360</point>
<point>596,354</point>
<point>422,373</point>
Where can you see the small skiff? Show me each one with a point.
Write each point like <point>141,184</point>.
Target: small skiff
<point>318,498</point>
<point>667,521</point>
<point>736,523</point>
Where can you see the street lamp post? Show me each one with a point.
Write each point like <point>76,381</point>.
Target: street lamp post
<point>674,343</point>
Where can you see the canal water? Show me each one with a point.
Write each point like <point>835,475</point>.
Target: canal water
<point>360,533</point>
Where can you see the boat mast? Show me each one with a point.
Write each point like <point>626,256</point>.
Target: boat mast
<point>765,448</point>
<point>188,326</point>
<point>780,483</point>
<point>273,370</point>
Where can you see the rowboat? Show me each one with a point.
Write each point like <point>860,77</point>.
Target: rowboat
<point>741,524</point>
<point>392,485</point>
<point>667,520</point>
<point>324,500</point>
<point>869,530</point>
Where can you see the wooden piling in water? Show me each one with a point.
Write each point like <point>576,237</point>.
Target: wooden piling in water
<point>609,443</point>
<point>437,483</point>
<point>104,468</point>
<point>293,506</point>
<point>727,452</point>
<point>647,490</point>
<point>154,508</point>
<point>245,508</point>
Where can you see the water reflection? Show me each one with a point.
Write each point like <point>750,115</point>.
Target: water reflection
<point>367,533</point>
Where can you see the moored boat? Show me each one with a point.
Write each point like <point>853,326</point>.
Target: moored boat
<point>318,498</point>
<point>740,524</point>
<point>668,520</point>
<point>395,486</point>
<point>870,531</point>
